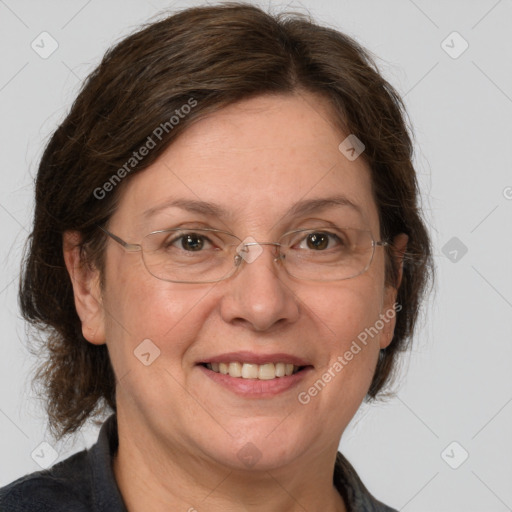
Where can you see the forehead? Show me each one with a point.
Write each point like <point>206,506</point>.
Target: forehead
<point>254,161</point>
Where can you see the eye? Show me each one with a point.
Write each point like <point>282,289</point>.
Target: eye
<point>319,241</point>
<point>191,242</point>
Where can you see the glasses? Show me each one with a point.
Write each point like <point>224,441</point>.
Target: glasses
<point>189,255</point>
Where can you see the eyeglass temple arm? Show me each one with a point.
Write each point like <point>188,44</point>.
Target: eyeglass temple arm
<point>125,245</point>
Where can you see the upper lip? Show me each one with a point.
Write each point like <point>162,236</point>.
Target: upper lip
<point>252,357</point>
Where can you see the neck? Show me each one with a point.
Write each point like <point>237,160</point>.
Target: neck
<point>162,478</point>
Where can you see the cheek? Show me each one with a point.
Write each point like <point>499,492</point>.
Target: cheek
<point>138,307</point>
<point>152,327</point>
<point>345,310</point>
<point>347,323</point>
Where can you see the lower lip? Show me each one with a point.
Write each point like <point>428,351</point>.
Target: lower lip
<point>256,388</point>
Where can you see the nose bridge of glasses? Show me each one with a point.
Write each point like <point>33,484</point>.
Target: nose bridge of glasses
<point>244,252</point>
<point>261,243</point>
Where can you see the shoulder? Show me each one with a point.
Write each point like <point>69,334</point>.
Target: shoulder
<point>356,495</point>
<point>66,486</point>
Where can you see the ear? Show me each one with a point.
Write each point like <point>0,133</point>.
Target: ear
<point>86,289</point>
<point>388,314</point>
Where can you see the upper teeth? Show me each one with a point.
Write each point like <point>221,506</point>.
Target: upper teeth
<point>265,371</point>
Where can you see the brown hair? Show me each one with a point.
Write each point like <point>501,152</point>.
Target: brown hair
<point>216,56</point>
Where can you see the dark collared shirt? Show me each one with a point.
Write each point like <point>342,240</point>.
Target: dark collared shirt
<point>85,483</point>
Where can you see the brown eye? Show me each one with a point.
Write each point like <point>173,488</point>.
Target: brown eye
<point>318,241</point>
<point>192,242</point>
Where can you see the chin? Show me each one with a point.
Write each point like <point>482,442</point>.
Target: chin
<point>261,448</point>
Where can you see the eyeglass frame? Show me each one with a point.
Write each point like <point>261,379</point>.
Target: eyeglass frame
<point>131,247</point>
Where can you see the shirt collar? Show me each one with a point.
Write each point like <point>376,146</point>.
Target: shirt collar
<point>106,495</point>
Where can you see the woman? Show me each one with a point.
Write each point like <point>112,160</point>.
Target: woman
<point>228,256</point>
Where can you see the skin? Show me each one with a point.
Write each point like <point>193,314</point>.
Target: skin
<point>179,433</point>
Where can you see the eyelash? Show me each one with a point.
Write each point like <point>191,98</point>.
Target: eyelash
<point>169,243</point>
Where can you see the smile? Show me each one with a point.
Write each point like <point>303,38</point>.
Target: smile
<point>266,371</point>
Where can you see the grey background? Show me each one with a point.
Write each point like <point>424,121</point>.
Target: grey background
<point>456,383</point>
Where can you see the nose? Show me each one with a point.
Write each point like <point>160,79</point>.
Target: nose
<point>259,294</point>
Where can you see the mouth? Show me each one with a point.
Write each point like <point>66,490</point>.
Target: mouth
<point>266,371</point>
<point>255,376</point>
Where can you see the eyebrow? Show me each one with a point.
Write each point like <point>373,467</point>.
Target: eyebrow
<point>307,206</point>
<point>300,208</point>
<point>190,205</point>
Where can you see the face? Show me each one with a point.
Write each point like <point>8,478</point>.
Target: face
<point>255,161</point>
